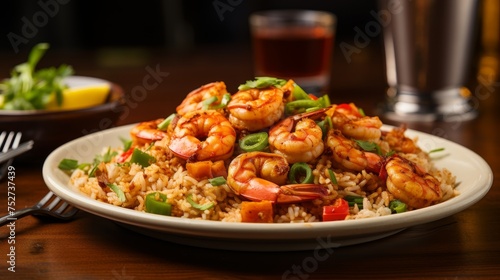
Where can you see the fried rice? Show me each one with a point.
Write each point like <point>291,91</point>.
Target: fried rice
<point>168,175</point>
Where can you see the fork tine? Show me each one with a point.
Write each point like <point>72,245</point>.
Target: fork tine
<point>53,203</point>
<point>44,200</point>
<point>2,137</point>
<point>71,212</point>
<point>62,207</point>
<point>8,140</point>
<point>17,139</point>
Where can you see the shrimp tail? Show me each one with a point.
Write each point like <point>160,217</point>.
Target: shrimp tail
<point>300,192</point>
<point>259,189</point>
<point>184,149</point>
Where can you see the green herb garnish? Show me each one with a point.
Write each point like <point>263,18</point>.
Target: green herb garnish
<point>68,164</point>
<point>28,89</point>
<point>217,181</point>
<point>118,191</point>
<point>195,205</point>
<point>262,82</point>
<point>436,150</point>
<point>142,158</point>
<point>397,206</point>
<point>369,146</point>
<point>166,122</point>
<point>332,177</point>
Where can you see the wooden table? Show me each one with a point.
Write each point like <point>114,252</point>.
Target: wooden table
<point>465,245</point>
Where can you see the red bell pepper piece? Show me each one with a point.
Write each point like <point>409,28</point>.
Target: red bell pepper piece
<point>337,211</point>
<point>123,157</point>
<point>312,96</point>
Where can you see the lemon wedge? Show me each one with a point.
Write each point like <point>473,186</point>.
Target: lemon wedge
<point>82,92</point>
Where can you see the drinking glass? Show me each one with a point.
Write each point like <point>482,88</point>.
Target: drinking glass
<point>428,47</point>
<point>294,44</point>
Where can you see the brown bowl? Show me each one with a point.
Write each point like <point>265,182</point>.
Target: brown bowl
<point>51,129</point>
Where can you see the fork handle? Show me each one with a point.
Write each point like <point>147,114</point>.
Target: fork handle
<point>17,215</point>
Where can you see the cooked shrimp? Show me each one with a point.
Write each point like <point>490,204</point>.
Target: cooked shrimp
<point>298,138</point>
<point>255,109</point>
<point>348,119</point>
<point>399,142</point>
<point>194,99</point>
<point>203,135</point>
<point>147,132</point>
<point>348,155</point>
<point>408,183</point>
<point>261,176</point>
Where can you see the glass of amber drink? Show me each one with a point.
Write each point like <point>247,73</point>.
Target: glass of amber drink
<point>294,44</point>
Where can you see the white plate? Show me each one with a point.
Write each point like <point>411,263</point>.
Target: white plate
<point>473,173</point>
<point>82,81</point>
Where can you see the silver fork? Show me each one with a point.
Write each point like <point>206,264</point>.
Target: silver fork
<point>8,141</point>
<point>45,207</point>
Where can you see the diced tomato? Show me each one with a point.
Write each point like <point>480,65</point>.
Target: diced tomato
<point>344,106</point>
<point>351,108</point>
<point>312,96</point>
<point>337,211</point>
<point>125,155</point>
<point>257,212</point>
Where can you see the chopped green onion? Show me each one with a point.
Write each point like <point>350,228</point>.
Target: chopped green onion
<point>324,101</point>
<point>166,122</point>
<point>329,120</point>
<point>332,177</point>
<point>262,82</point>
<point>354,200</point>
<point>390,153</point>
<point>68,164</point>
<point>207,102</point>
<point>324,126</point>
<point>72,164</point>
<point>118,191</point>
<point>142,158</point>
<point>397,206</point>
<point>300,173</point>
<point>254,142</point>
<point>217,181</point>
<point>369,146</point>
<point>361,112</point>
<point>436,150</point>
<point>299,93</point>
<point>156,203</point>
<point>312,109</point>
<point>93,170</point>
<point>299,106</point>
<point>223,103</point>
<point>306,105</point>
<point>195,205</point>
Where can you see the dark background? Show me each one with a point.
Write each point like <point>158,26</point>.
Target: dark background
<point>173,24</point>
<point>125,33</point>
